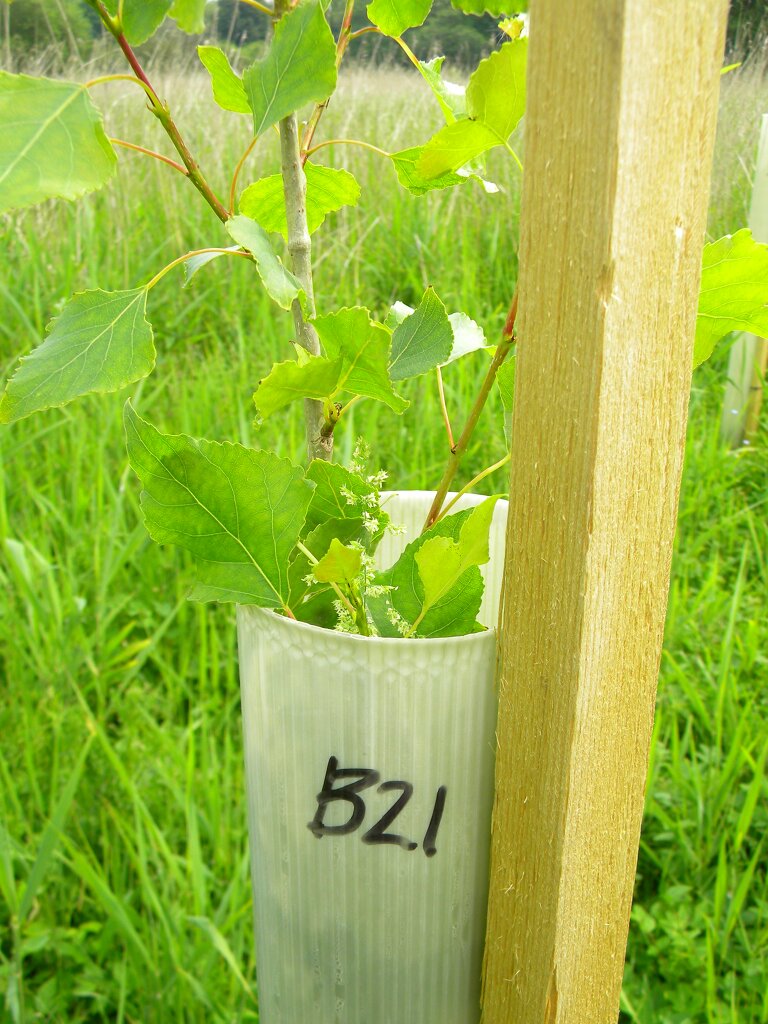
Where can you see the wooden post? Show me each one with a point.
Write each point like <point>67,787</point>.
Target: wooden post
<point>622,102</point>
<point>748,358</point>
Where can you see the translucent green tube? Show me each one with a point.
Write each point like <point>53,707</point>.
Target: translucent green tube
<point>370,785</point>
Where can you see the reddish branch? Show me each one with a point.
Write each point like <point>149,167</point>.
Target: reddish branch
<point>502,351</point>
<point>163,114</point>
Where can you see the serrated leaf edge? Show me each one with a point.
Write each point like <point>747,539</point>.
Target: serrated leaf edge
<point>4,399</point>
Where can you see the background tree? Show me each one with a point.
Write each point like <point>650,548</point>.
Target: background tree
<point>64,27</point>
<point>748,27</point>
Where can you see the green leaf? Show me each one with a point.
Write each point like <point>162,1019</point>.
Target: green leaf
<point>195,263</point>
<point>238,511</point>
<point>494,7</point>
<point>328,502</point>
<point>318,607</point>
<point>467,336</point>
<point>363,346</point>
<point>734,292</point>
<point>422,341</point>
<point>341,494</point>
<point>280,283</point>
<point>406,164</point>
<point>264,202</point>
<point>393,17</point>
<point>141,18</point>
<point>451,97</point>
<point>299,67</point>
<point>315,602</point>
<point>443,565</point>
<point>228,88</point>
<point>454,146</point>
<point>100,342</point>
<point>317,543</point>
<point>328,189</point>
<point>514,26</point>
<point>287,382</point>
<point>52,142</point>
<point>398,311</point>
<point>505,381</point>
<point>442,561</point>
<point>495,104</point>
<point>341,564</point>
<point>189,15</point>
<point>496,89</point>
<point>455,614</point>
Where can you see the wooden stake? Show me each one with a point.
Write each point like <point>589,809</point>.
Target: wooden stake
<point>748,359</point>
<point>620,129</point>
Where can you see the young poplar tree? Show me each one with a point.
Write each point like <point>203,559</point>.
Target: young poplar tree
<point>264,531</point>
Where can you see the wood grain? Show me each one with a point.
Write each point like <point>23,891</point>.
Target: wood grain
<point>619,136</point>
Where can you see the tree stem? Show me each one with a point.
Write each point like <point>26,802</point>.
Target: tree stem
<point>502,351</point>
<point>300,248</point>
<point>133,60</point>
<point>196,177</point>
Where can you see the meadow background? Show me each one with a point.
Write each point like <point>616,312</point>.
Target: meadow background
<point>124,887</point>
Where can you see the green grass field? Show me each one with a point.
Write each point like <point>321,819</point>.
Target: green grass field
<point>123,848</point>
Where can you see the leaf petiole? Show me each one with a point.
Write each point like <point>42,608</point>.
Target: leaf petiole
<point>353,401</point>
<point>347,142</point>
<point>150,152</point>
<point>317,113</point>
<point>233,187</point>
<point>503,142</point>
<point>444,409</point>
<point>259,7</point>
<point>364,31</point>
<point>502,351</point>
<point>188,255</point>
<point>307,553</point>
<point>472,484</point>
<point>408,52</point>
<point>103,79</point>
<point>342,597</point>
<point>514,155</point>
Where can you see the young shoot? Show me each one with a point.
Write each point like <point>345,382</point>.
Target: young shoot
<point>303,539</point>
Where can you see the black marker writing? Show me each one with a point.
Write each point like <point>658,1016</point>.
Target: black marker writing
<point>365,777</point>
<point>377,834</point>
<point>434,823</point>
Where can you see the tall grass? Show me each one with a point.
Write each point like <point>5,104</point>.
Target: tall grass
<point>123,852</point>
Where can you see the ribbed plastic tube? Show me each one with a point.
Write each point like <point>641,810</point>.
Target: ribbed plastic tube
<point>370,785</point>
